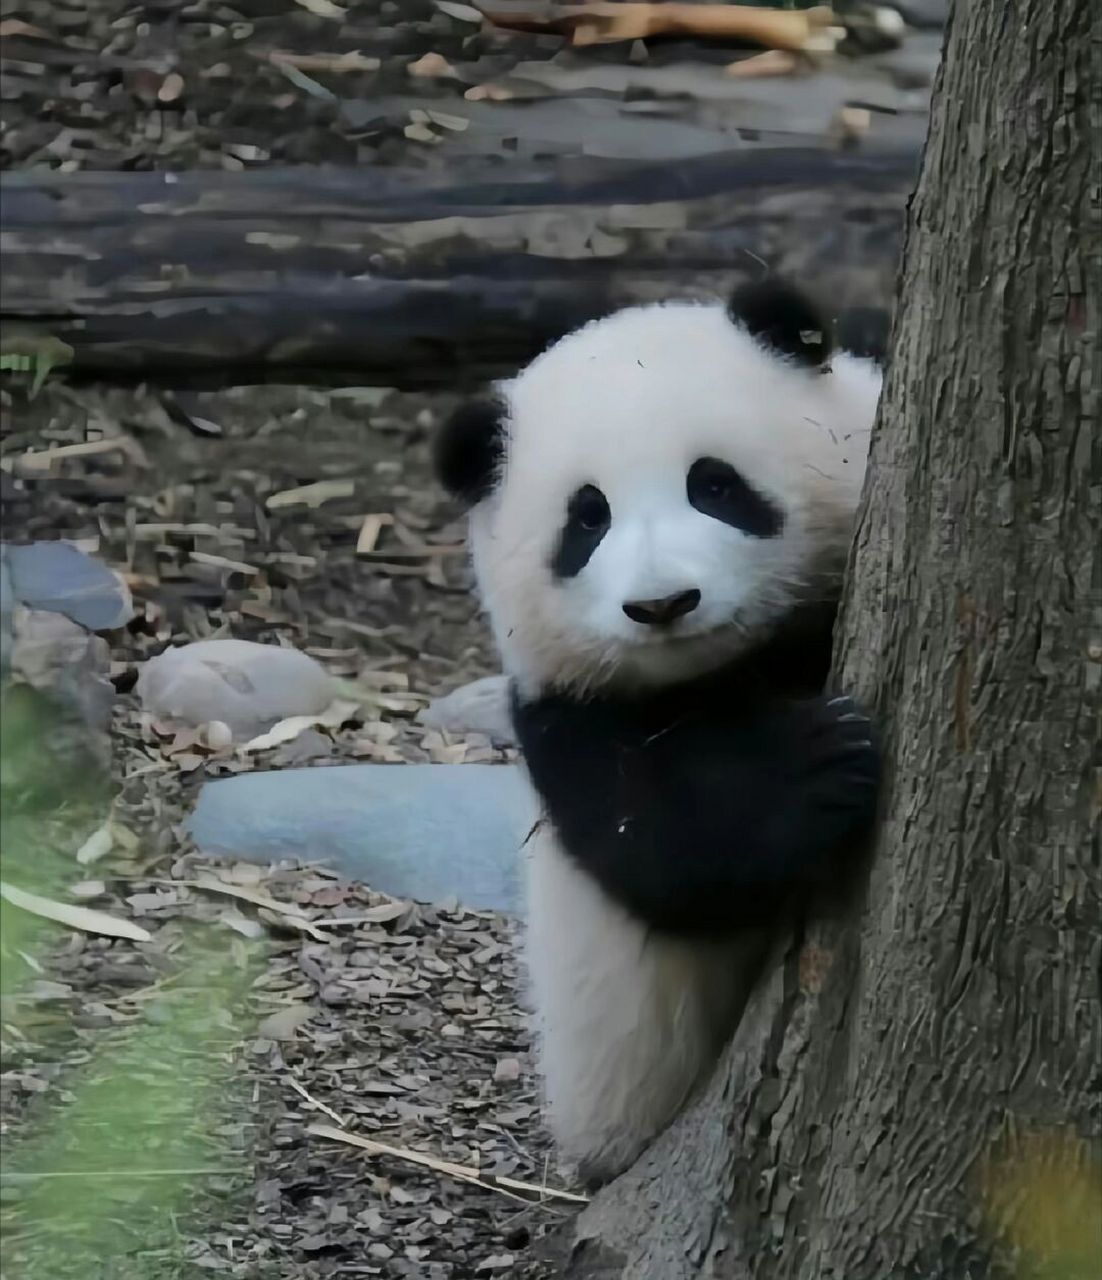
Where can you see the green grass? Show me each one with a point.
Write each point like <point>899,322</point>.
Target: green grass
<point>140,1138</point>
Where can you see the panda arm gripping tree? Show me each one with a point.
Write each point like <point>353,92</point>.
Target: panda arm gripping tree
<point>700,822</point>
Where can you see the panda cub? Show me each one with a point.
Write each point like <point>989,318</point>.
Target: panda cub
<point>661,506</point>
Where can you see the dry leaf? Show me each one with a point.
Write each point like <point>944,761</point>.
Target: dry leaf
<point>332,717</point>
<point>282,912</point>
<point>82,918</point>
<point>418,132</point>
<point>488,93</point>
<point>98,845</point>
<point>773,62</point>
<point>460,12</point>
<point>258,899</point>
<point>507,1070</point>
<point>241,924</point>
<point>283,1024</point>
<point>432,64</point>
<point>88,889</point>
<point>17,27</point>
<point>456,124</point>
<point>322,8</point>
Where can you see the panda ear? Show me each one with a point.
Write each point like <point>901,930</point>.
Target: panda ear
<point>784,320</point>
<point>864,332</point>
<point>469,449</point>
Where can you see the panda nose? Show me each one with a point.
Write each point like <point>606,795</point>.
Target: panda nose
<point>668,609</point>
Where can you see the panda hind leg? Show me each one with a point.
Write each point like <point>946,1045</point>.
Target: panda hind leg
<point>628,1022</point>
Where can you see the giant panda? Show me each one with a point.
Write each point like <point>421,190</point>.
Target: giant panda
<point>660,512</point>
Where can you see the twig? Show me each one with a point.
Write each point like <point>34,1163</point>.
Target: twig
<point>525,1192</point>
<point>315,1102</point>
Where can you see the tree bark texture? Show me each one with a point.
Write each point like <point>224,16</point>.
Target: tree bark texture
<point>378,276</point>
<point>885,1060</point>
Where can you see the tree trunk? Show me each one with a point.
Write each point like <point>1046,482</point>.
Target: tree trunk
<point>379,276</point>
<point>855,1128</point>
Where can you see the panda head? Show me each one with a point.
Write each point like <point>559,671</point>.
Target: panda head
<point>652,494</point>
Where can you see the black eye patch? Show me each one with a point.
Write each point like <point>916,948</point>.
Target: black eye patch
<point>587,520</point>
<point>716,489</point>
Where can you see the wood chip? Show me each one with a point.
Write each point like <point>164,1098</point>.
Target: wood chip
<point>431,65</point>
<point>43,459</point>
<point>373,524</point>
<point>172,86</point>
<point>333,62</point>
<point>311,495</point>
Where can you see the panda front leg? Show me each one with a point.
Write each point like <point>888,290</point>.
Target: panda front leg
<point>628,1021</point>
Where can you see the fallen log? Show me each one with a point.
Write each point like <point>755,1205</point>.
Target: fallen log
<point>377,276</point>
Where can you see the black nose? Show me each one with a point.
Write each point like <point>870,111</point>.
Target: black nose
<point>668,609</point>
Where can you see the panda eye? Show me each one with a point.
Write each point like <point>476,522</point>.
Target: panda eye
<point>587,521</point>
<point>589,508</point>
<point>717,490</point>
<point>716,485</point>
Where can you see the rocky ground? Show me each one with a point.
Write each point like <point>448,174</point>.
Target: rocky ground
<point>395,1023</point>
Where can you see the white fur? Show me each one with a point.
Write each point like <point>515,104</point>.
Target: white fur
<point>628,403</point>
<point>629,1022</point>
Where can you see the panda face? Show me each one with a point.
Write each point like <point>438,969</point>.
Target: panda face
<point>666,488</point>
<point>654,566</point>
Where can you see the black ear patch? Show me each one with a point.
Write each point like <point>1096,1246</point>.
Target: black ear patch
<point>784,320</point>
<point>469,449</point>
<point>864,332</point>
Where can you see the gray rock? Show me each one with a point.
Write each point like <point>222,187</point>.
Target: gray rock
<point>55,656</point>
<point>58,578</point>
<point>7,604</point>
<point>246,685</point>
<point>923,14</point>
<point>423,831</point>
<point>479,707</point>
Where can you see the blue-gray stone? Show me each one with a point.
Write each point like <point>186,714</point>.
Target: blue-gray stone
<point>7,607</point>
<point>423,831</point>
<point>59,578</point>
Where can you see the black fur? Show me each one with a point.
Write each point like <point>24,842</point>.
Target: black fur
<point>784,320</point>
<point>469,450</point>
<point>718,804</point>
<point>588,519</point>
<point>864,331</point>
<point>716,489</point>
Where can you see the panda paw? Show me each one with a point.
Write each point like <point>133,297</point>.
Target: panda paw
<point>842,767</point>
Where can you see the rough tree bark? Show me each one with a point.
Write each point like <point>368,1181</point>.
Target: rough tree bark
<point>846,1132</point>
